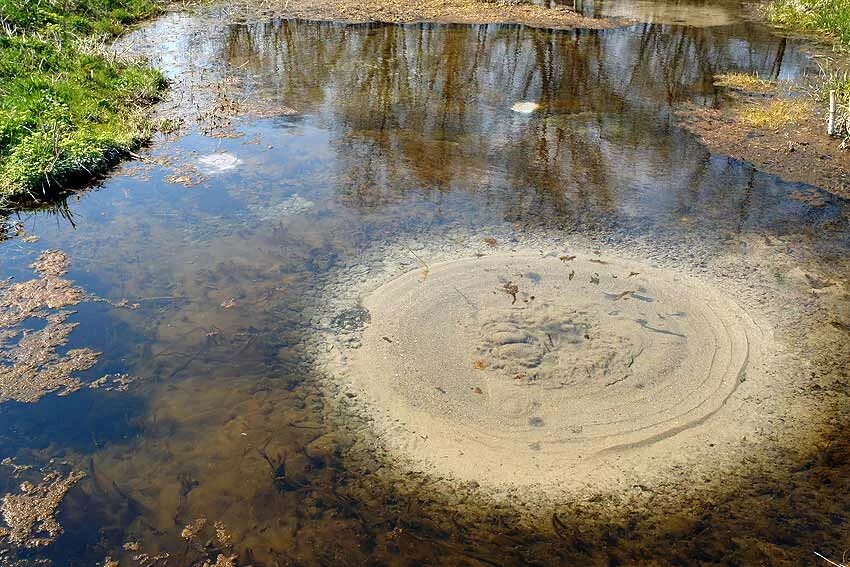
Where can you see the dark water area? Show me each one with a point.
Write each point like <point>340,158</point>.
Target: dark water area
<point>393,130</point>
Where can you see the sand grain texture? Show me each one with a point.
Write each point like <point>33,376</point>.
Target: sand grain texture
<point>518,369</point>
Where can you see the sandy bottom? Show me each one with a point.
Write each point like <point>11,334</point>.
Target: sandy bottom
<point>519,369</point>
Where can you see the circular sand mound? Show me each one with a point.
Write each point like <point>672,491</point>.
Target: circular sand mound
<point>523,369</point>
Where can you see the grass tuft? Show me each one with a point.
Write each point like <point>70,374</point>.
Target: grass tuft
<point>745,82</point>
<point>68,108</point>
<point>775,114</point>
<point>825,17</point>
<point>829,19</point>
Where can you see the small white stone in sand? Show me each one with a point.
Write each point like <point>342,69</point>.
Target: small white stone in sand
<point>525,107</point>
<point>218,163</point>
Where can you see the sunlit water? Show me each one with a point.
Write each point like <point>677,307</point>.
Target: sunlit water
<point>396,130</point>
<point>699,13</point>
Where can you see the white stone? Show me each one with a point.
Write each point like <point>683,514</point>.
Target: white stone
<point>525,107</point>
<point>218,163</point>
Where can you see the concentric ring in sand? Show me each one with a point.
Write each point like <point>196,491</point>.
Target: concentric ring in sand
<point>527,368</point>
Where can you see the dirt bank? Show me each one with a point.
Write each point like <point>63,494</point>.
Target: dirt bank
<point>777,131</point>
<point>441,11</point>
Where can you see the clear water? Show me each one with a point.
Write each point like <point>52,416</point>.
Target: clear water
<point>396,130</point>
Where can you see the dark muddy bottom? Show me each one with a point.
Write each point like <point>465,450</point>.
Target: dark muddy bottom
<point>315,155</point>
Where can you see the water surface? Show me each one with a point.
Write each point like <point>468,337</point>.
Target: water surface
<point>351,137</point>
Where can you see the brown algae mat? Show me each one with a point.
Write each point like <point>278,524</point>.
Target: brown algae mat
<point>439,11</point>
<point>553,373</point>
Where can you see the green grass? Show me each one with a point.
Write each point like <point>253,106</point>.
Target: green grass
<point>826,17</point>
<point>829,19</point>
<point>68,107</point>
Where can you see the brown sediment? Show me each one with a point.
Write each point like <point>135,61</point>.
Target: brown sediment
<point>779,133</point>
<point>31,514</point>
<point>440,11</point>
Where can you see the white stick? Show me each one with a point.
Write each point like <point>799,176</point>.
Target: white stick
<point>830,561</point>
<point>830,126</point>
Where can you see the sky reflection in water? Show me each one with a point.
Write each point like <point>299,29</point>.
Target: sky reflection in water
<point>396,129</point>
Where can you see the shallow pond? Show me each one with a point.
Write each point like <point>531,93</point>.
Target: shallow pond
<point>307,151</point>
